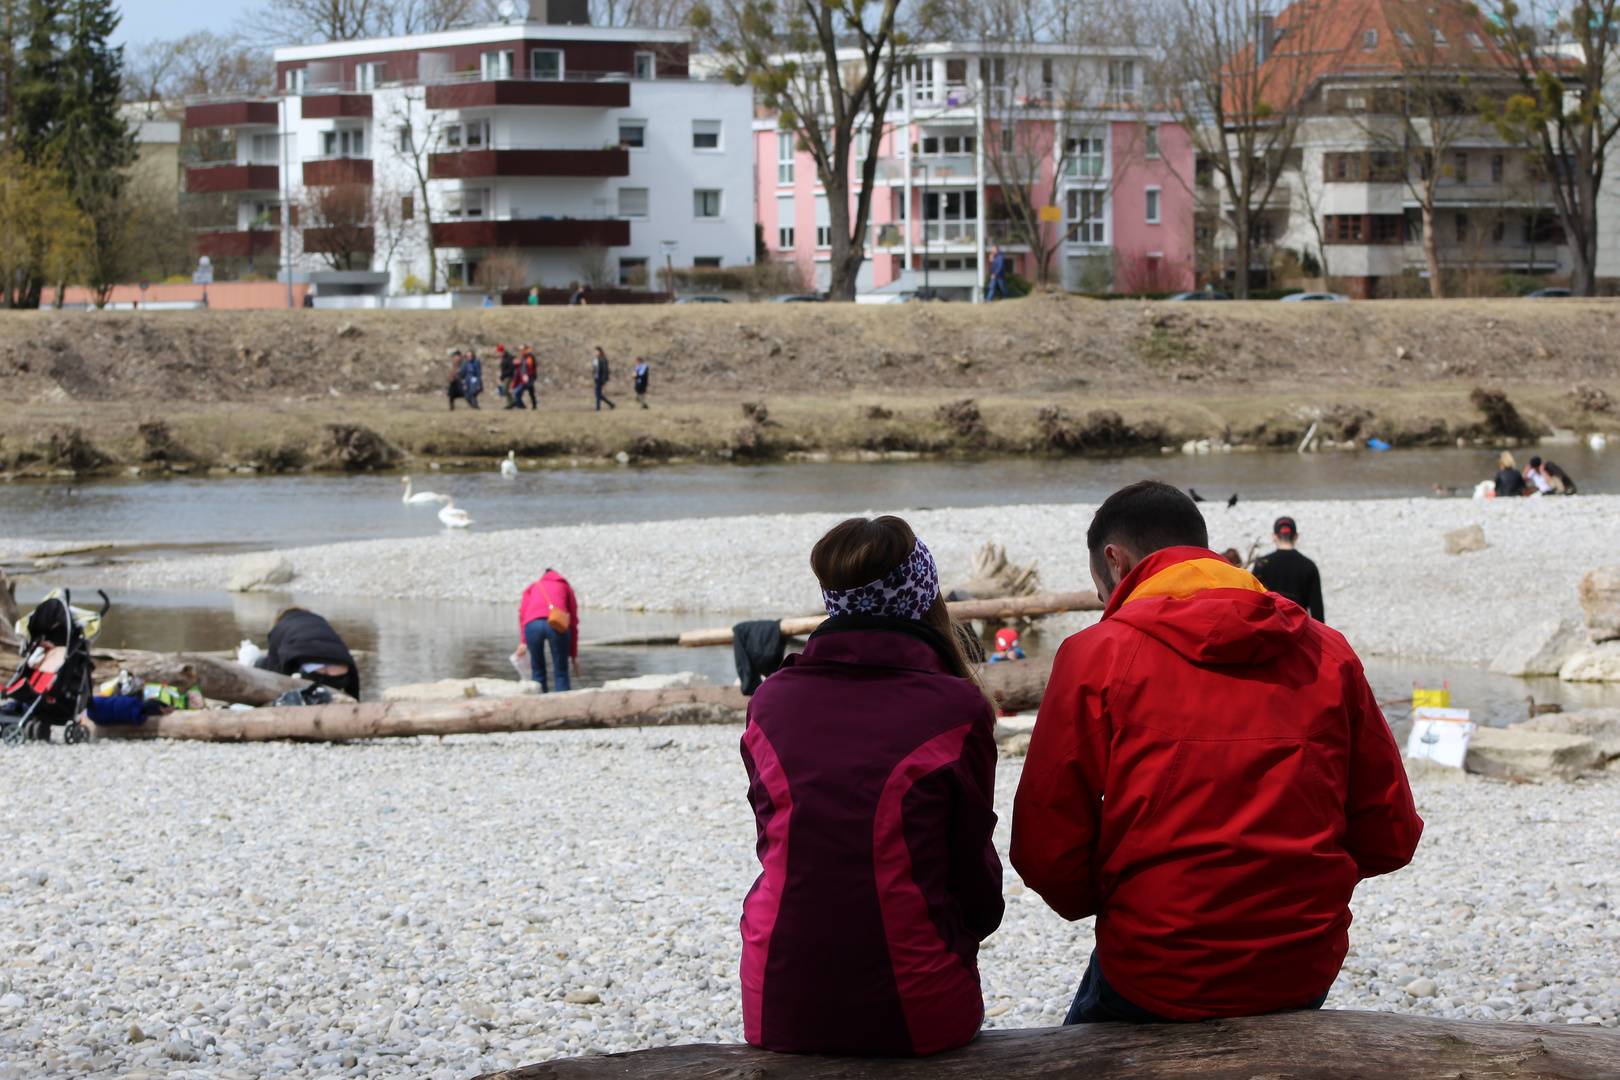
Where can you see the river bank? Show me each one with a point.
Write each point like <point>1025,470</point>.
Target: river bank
<point>436,909</point>
<point>1389,586</point>
<point>190,392</point>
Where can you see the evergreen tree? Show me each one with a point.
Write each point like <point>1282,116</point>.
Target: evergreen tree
<point>92,143</point>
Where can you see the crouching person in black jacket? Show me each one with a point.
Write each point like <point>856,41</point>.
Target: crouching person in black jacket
<point>303,644</point>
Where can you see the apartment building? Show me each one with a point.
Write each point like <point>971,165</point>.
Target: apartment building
<point>1351,189</point>
<point>1072,130</point>
<point>561,151</point>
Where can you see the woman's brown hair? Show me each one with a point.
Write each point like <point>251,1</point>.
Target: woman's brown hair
<point>861,550</point>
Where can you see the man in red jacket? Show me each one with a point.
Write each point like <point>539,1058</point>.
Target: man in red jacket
<point>1210,776</point>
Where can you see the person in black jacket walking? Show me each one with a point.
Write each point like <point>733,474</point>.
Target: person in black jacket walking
<point>600,374</point>
<point>1288,573</point>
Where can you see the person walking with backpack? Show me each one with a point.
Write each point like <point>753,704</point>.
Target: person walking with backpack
<point>454,390</point>
<point>641,374</point>
<point>472,378</point>
<point>506,369</point>
<point>548,618</point>
<point>523,380</point>
<point>600,374</point>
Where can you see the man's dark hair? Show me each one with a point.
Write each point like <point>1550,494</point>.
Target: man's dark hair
<point>1145,517</point>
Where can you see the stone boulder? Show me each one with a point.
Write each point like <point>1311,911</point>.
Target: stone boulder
<point>1467,538</point>
<point>1594,663</point>
<point>1541,648</point>
<point>1602,726</point>
<point>458,689</point>
<point>1600,599</point>
<point>670,681</point>
<point>1433,771</point>
<point>1535,755</point>
<point>263,570</point>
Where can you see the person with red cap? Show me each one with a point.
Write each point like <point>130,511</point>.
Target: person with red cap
<point>1210,776</point>
<point>1288,573</point>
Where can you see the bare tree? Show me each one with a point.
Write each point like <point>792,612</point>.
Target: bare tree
<point>309,21</point>
<point>411,131</point>
<point>594,266</point>
<point>1561,57</point>
<point>829,70</point>
<point>339,225</point>
<point>503,271</point>
<point>1236,74</point>
<point>656,13</point>
<point>162,72</point>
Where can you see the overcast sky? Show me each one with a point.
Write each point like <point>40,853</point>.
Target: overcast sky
<point>148,19</point>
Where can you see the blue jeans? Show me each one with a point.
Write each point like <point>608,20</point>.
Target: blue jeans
<point>998,285</point>
<point>537,634</point>
<point>601,397</point>
<point>1098,1003</point>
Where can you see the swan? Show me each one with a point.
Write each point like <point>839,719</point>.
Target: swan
<point>453,518</point>
<point>509,467</point>
<point>421,498</point>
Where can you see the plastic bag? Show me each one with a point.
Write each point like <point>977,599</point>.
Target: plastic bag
<point>248,654</point>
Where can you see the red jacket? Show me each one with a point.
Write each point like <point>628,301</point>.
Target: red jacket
<point>1210,776</point>
<point>551,591</point>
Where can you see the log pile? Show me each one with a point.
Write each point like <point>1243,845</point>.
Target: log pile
<point>1328,1045</point>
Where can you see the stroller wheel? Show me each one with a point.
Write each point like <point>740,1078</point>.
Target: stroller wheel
<point>11,734</point>
<point>36,731</point>
<point>74,732</point>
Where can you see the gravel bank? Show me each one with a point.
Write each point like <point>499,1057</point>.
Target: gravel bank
<point>1389,585</point>
<point>426,909</point>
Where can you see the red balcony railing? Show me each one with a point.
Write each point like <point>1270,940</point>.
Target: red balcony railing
<point>209,179</point>
<point>493,92</point>
<point>334,106</point>
<point>220,114</point>
<point>330,172</point>
<point>531,233</point>
<point>472,164</point>
<point>237,243</point>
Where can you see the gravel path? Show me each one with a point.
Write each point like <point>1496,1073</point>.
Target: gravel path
<point>426,909</point>
<point>1389,585</point>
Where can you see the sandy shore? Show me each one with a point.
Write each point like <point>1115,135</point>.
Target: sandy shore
<point>426,909</point>
<point>1390,587</point>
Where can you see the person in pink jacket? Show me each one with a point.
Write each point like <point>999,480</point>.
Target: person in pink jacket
<point>535,625</point>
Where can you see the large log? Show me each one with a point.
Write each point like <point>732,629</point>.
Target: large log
<point>1001,609</point>
<point>404,719</point>
<point>221,680</point>
<point>1017,685</point>
<point>1328,1045</point>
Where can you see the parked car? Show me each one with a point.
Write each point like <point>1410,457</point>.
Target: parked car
<point>1203,294</point>
<point>1547,294</point>
<point>1315,296</point>
<point>703,300</point>
<point>796,298</point>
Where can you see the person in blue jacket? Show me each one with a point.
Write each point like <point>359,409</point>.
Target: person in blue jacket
<point>472,378</point>
<point>998,274</point>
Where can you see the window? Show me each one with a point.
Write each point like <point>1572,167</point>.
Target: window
<point>1152,205</point>
<point>1150,141</point>
<point>706,203</point>
<point>1459,222</point>
<point>297,79</point>
<point>367,77</point>
<point>1122,79</point>
<point>546,65</point>
<point>633,134</point>
<point>1262,231</point>
<point>785,221</point>
<point>1007,140</point>
<point>1369,39</point>
<point>264,149</point>
<point>1048,77</point>
<point>706,262</point>
<point>823,222</point>
<point>1499,231</point>
<point>633,202</point>
<point>784,157</point>
<point>951,216</point>
<point>1476,41</point>
<point>632,273</point>
<point>1405,38</point>
<point>1085,156</point>
<point>497,65</point>
<point>472,135</point>
<point>404,142</point>
<point>1086,212</point>
<point>1376,168</point>
<point>470,203</point>
<point>1459,168</point>
<point>705,134</point>
<point>922,80</point>
<point>956,72</point>
<point>1497,164</point>
<point>1439,38</point>
<point>344,142</point>
<point>993,71</point>
<point>646,65</point>
<point>1365,228</point>
<point>1387,228</point>
<point>462,274</point>
<point>407,207</point>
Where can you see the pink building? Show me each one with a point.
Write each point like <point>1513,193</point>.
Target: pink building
<point>1068,126</point>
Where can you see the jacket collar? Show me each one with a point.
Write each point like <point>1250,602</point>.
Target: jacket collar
<point>1181,573</point>
<point>877,641</point>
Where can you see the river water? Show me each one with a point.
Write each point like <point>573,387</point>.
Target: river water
<point>255,512</point>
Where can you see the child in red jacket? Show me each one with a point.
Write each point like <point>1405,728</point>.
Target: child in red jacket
<point>1210,776</point>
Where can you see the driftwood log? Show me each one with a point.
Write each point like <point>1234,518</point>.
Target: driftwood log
<point>1000,609</point>
<point>220,679</point>
<point>1329,1045</point>
<point>1017,685</point>
<point>404,719</point>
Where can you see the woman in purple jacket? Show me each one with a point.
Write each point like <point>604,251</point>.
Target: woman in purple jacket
<point>871,766</point>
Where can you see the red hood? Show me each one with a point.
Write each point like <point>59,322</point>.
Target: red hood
<point>1206,609</point>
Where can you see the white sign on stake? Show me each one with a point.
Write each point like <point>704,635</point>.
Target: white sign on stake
<point>1440,735</point>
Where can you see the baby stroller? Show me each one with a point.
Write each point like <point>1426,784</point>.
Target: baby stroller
<point>53,684</point>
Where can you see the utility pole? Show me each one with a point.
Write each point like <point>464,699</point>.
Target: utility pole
<point>286,195</point>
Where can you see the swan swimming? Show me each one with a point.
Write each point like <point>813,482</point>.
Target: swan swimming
<point>453,518</point>
<point>421,498</point>
<point>509,467</point>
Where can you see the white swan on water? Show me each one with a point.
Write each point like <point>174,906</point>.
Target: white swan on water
<point>509,467</point>
<point>421,498</point>
<point>455,519</point>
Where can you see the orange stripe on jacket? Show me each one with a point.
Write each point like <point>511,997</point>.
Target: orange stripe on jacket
<point>1186,579</point>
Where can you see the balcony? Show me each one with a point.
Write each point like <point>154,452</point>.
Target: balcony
<point>532,233</point>
<point>940,171</point>
<point>339,240</point>
<point>495,92</point>
<point>335,106</point>
<point>330,172</point>
<point>227,114</point>
<point>213,179</point>
<point>237,243</point>
<point>473,164</point>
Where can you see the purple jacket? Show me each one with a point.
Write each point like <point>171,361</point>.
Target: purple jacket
<point>871,771</point>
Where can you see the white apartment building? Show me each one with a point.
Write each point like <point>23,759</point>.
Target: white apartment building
<point>577,152</point>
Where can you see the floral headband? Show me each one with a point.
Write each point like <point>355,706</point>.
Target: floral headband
<point>905,592</point>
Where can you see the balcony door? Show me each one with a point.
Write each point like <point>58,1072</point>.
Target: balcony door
<point>951,216</point>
